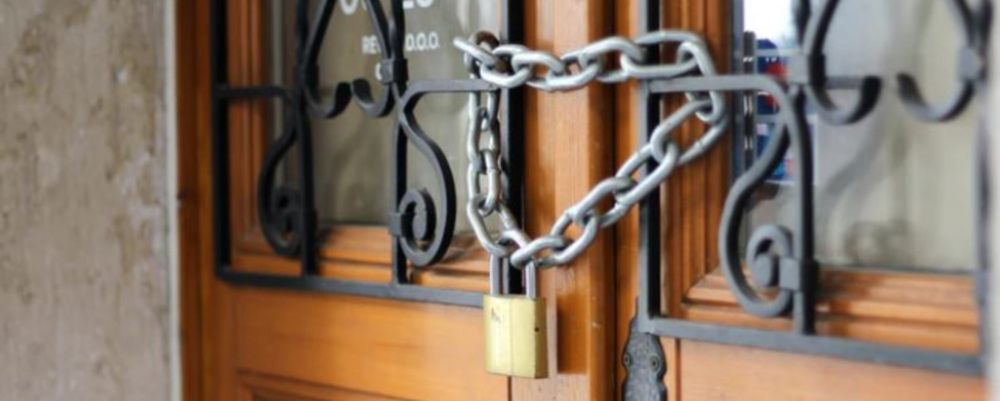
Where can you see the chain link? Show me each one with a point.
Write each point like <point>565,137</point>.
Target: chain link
<point>511,66</point>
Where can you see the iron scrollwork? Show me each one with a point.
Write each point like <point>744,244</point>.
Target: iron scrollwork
<point>423,231</point>
<point>784,271</point>
<point>421,224</point>
<point>782,258</point>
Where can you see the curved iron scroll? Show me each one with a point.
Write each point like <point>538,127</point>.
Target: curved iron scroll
<point>784,273</point>
<point>287,215</point>
<point>781,258</point>
<point>421,222</point>
<point>423,229</point>
<point>776,254</point>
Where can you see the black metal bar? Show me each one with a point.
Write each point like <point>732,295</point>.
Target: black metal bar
<point>393,40</point>
<point>804,308</point>
<point>220,144</point>
<point>400,292</point>
<point>742,118</point>
<point>513,114</point>
<point>398,182</point>
<point>649,208</point>
<point>288,216</point>
<point>306,224</point>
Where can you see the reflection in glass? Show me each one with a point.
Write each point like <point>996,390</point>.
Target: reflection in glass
<point>891,191</point>
<point>353,152</point>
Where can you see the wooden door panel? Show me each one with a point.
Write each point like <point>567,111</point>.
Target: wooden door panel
<point>712,372</point>
<point>716,372</point>
<point>567,151</point>
<point>253,344</point>
<point>930,312</point>
<point>394,349</point>
<point>255,387</point>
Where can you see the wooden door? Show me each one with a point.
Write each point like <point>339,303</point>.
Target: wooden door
<point>256,340</point>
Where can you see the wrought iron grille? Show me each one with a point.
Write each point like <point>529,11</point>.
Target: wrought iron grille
<point>782,258</point>
<point>421,223</point>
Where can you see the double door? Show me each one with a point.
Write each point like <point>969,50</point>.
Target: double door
<point>371,289</point>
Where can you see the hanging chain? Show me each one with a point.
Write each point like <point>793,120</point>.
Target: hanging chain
<point>511,66</point>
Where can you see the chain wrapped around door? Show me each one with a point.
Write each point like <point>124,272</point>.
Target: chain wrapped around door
<point>511,66</point>
<point>780,259</point>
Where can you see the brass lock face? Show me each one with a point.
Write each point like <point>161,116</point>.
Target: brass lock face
<point>515,328</point>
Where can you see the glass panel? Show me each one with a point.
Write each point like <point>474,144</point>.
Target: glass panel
<point>891,191</point>
<point>353,152</point>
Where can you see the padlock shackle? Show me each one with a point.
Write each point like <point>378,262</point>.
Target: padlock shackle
<point>531,280</point>
<point>496,275</point>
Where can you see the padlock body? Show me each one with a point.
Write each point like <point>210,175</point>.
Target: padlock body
<point>516,336</point>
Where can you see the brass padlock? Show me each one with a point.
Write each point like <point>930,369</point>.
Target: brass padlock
<point>515,327</point>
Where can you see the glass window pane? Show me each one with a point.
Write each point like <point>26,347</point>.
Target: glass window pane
<point>353,152</point>
<point>891,190</point>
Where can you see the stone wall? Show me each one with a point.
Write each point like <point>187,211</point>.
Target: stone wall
<point>83,225</point>
<point>992,119</point>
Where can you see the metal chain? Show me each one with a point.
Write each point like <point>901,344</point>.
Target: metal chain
<point>510,66</point>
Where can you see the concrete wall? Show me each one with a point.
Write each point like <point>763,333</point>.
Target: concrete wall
<point>992,119</point>
<point>84,277</point>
